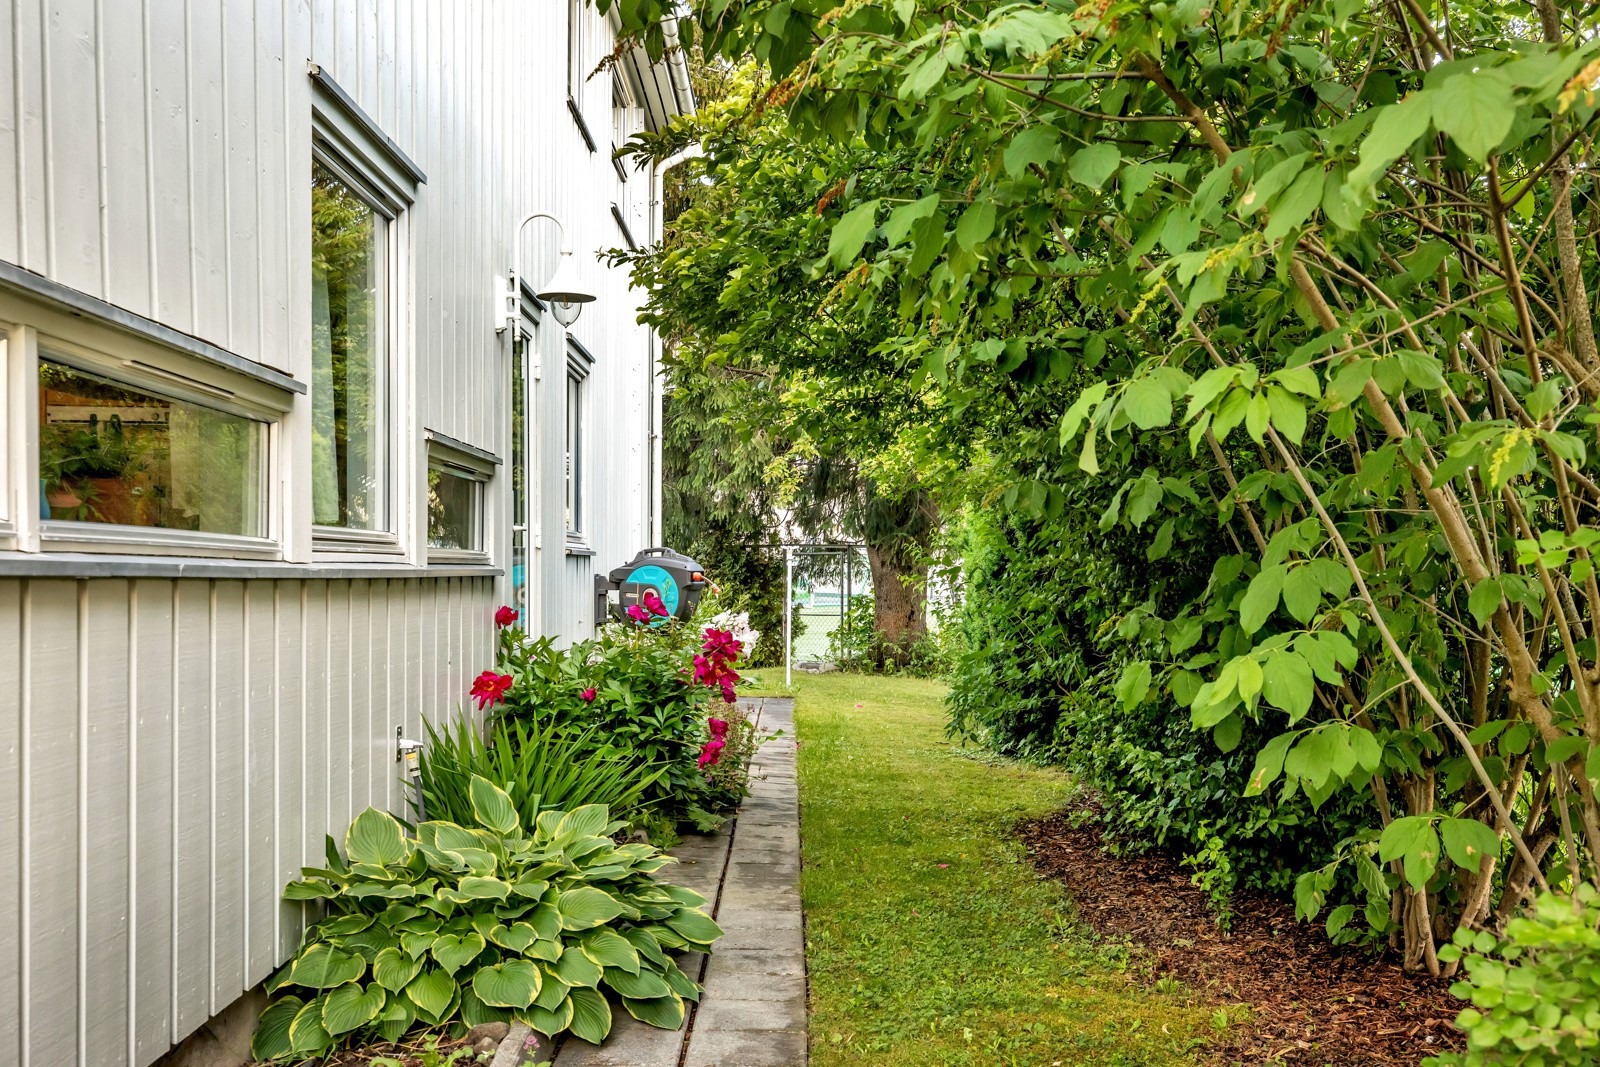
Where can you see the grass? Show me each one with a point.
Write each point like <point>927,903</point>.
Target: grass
<point>930,940</point>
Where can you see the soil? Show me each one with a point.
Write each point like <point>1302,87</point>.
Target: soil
<point>1311,1004</point>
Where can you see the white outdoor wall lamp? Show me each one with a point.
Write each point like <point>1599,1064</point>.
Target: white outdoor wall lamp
<point>564,292</point>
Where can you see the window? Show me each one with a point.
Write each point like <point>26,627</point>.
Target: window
<point>578,65</point>
<point>7,526</point>
<point>458,477</point>
<point>575,457</point>
<point>121,455</point>
<point>349,357</point>
<point>455,511</point>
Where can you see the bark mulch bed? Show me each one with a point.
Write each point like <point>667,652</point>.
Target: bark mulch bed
<point>1311,1004</point>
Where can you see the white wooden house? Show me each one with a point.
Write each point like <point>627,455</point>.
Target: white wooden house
<point>277,436</point>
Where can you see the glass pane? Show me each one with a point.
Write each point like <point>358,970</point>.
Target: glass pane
<point>453,511</point>
<point>348,389</point>
<point>574,455</point>
<point>112,453</point>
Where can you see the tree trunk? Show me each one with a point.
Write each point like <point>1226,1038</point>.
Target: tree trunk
<point>899,603</point>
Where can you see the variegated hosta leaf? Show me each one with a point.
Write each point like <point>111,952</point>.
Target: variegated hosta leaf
<point>376,837</point>
<point>513,984</point>
<point>665,1012</point>
<point>591,1015</point>
<point>350,1007</point>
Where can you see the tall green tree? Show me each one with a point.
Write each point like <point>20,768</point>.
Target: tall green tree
<point>1341,256</point>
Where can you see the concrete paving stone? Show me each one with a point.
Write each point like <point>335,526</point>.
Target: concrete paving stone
<point>746,1048</point>
<point>773,836</point>
<point>729,1012</point>
<point>631,1044</point>
<point>772,898</point>
<point>773,931</point>
<point>752,964</point>
<point>725,983</point>
<point>757,860</point>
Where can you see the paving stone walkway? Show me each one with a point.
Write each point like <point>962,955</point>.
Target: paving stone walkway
<point>753,1012</point>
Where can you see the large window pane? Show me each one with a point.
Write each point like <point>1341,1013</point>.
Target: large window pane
<point>349,406</point>
<point>454,503</point>
<point>113,453</point>
<point>574,455</point>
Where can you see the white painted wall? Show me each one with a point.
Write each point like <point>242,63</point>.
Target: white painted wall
<point>173,746</point>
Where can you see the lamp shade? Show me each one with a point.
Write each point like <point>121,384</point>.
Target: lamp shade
<point>565,291</point>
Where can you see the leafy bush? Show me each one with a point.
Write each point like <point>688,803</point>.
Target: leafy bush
<point>540,766</point>
<point>729,773</point>
<point>1536,994</point>
<point>483,923</point>
<point>637,688</point>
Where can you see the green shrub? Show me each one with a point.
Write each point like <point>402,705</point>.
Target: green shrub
<point>729,776</point>
<point>540,766</point>
<point>1536,994</point>
<point>483,923</point>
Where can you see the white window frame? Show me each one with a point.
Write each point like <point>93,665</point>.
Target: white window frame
<point>347,142</point>
<point>107,348</point>
<point>575,452</point>
<point>578,31</point>
<point>450,456</point>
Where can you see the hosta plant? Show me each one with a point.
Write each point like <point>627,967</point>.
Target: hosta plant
<point>479,923</point>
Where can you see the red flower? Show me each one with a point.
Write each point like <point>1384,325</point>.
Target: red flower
<point>705,672</point>
<point>719,728</point>
<point>722,644</point>
<point>506,615</point>
<point>727,687</point>
<point>638,614</point>
<point>654,604</point>
<point>711,753</point>
<point>490,688</point>
<point>587,696</point>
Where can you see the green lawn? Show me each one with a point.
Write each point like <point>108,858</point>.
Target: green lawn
<point>931,941</point>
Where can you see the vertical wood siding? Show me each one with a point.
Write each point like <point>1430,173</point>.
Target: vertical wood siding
<point>174,750</point>
<point>172,765</point>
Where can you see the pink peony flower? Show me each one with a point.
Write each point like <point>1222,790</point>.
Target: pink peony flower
<point>506,615</point>
<point>722,644</point>
<point>719,728</point>
<point>638,614</point>
<point>490,688</point>
<point>587,696</point>
<point>727,687</point>
<point>711,753</point>
<point>654,604</point>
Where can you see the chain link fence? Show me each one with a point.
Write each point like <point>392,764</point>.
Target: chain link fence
<point>829,586</point>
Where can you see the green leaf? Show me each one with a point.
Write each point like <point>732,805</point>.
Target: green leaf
<point>396,1018</point>
<point>696,926</point>
<point>850,233</point>
<point>1147,403</point>
<point>1133,685</point>
<point>610,949</point>
<point>901,218</point>
<point>1287,683</point>
<point>577,969</point>
<point>1093,165</point>
<point>551,1021</point>
<point>1485,600</point>
<point>1036,144</point>
<point>516,937</point>
<point>432,992</point>
<point>492,807</point>
<point>975,225</point>
<point>307,1035</point>
<point>1295,206</point>
<point>646,985</point>
<point>479,887</point>
<point>1467,841</point>
<point>588,821</point>
<point>1261,598</point>
<point>665,1012</point>
<point>324,967</point>
<point>455,952</point>
<point>512,984</point>
<point>1288,413</point>
<point>271,1039</point>
<point>350,1007</point>
<point>591,1015</point>
<point>1414,842</point>
<point>1476,109</point>
<point>376,837</point>
<point>1269,764</point>
<point>1397,127</point>
<point>585,907</point>
<point>393,969</point>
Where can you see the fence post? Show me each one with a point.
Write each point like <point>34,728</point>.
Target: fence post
<point>788,614</point>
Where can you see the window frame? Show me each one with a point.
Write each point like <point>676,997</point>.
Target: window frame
<point>578,27</point>
<point>350,144</point>
<point>131,353</point>
<point>449,456</point>
<point>575,440</point>
<point>386,539</point>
